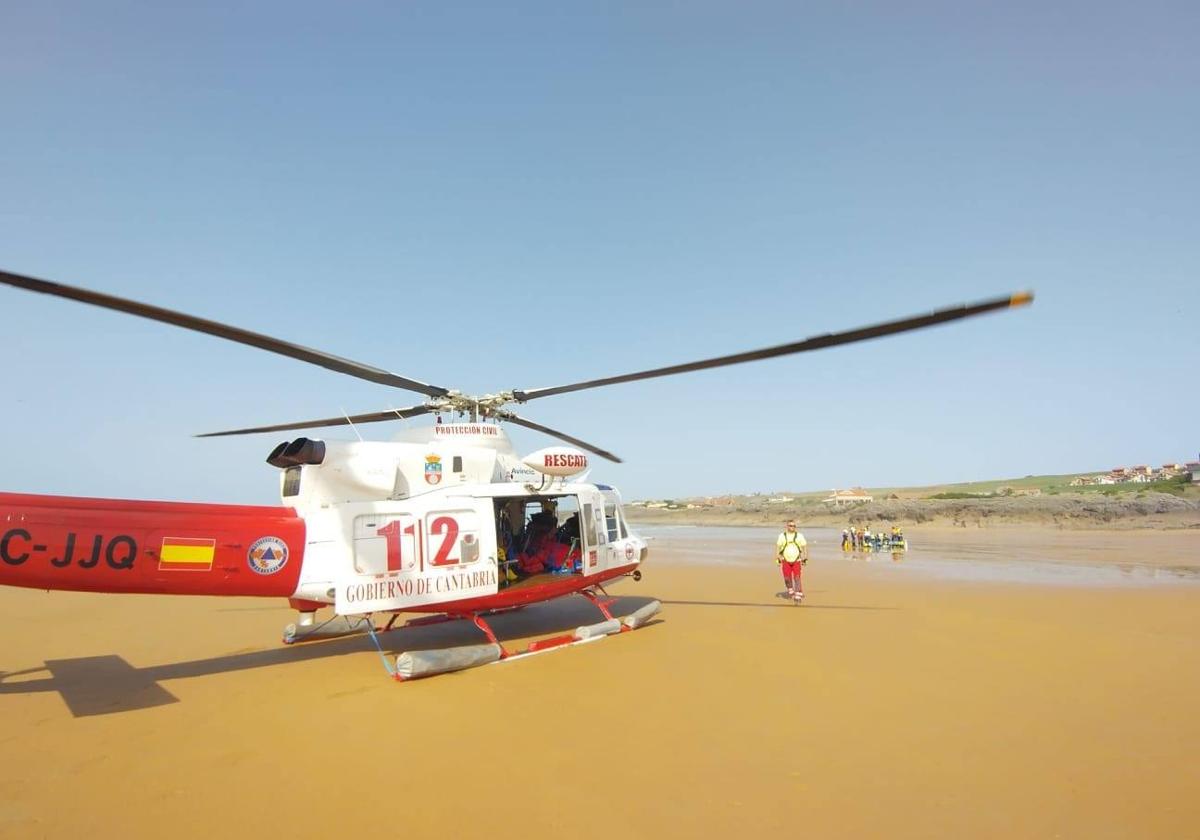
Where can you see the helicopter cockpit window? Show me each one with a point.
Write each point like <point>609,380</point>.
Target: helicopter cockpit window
<point>610,522</point>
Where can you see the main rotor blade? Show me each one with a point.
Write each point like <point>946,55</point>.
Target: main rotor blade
<point>817,342</point>
<point>351,420</point>
<point>190,322</point>
<point>538,427</point>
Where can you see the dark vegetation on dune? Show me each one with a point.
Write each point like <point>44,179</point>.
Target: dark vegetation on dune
<point>1173,503</point>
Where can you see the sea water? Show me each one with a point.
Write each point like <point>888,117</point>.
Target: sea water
<point>1033,556</point>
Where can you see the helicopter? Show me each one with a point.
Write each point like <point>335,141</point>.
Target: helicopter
<point>446,521</point>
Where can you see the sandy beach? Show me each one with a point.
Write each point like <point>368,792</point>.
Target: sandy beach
<point>901,700</point>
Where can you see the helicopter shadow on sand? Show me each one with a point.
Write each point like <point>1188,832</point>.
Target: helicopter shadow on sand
<point>102,685</point>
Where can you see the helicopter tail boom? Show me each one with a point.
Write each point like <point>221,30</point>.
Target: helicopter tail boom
<point>115,545</point>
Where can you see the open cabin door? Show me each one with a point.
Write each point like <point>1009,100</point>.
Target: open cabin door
<point>440,552</point>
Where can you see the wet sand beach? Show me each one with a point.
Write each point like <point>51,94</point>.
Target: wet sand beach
<point>902,700</point>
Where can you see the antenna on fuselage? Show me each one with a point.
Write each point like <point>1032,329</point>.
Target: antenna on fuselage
<point>398,414</point>
<point>352,426</point>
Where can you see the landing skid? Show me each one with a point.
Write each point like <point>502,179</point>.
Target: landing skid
<point>412,665</point>
<point>309,630</point>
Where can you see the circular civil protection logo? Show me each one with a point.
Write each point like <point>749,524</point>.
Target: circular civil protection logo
<point>267,555</point>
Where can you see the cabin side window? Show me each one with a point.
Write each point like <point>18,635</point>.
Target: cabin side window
<point>385,543</point>
<point>588,525</point>
<point>601,532</point>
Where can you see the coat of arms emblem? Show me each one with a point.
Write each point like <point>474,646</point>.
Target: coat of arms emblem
<point>433,469</point>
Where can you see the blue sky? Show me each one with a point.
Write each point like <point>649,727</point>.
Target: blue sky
<point>490,196</point>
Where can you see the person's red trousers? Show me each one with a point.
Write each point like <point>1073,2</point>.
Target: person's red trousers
<point>791,574</point>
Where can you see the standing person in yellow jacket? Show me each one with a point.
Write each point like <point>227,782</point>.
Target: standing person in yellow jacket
<point>791,552</point>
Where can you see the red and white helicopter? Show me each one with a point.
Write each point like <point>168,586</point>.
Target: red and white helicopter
<point>445,519</point>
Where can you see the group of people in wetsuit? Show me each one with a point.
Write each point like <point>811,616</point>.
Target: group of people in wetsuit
<point>863,539</point>
<point>541,546</point>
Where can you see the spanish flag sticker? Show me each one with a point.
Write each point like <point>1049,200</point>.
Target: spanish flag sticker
<point>186,554</point>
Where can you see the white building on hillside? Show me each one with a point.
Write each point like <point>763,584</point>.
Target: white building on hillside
<point>853,496</point>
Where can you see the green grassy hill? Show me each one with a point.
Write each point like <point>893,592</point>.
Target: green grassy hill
<point>1048,484</point>
<point>1046,500</point>
<point>1028,485</point>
